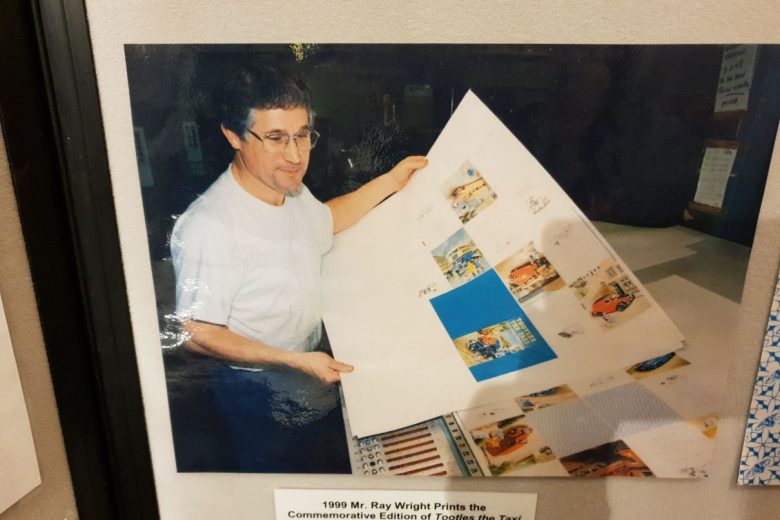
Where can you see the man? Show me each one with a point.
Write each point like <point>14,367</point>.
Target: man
<point>247,256</point>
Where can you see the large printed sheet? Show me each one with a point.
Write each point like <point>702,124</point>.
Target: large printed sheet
<point>480,280</point>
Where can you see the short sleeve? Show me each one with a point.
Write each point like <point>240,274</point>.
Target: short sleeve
<point>206,268</point>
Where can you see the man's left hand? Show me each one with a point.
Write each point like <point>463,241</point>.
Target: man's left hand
<point>404,170</point>
<point>348,209</point>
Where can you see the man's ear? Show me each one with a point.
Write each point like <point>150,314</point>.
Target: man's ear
<point>232,137</point>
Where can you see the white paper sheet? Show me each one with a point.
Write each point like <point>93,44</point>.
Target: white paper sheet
<point>392,309</point>
<point>18,461</point>
<point>647,247</point>
<point>736,76</point>
<point>714,176</point>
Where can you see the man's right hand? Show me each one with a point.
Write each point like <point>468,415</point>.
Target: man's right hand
<point>321,366</point>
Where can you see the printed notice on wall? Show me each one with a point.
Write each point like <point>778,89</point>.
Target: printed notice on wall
<point>714,176</point>
<point>365,504</point>
<point>736,75</point>
<point>18,462</point>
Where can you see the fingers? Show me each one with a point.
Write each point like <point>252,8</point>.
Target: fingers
<point>332,373</point>
<point>338,366</point>
<point>334,370</point>
<point>330,377</point>
<point>325,368</point>
<point>407,168</point>
<point>415,162</point>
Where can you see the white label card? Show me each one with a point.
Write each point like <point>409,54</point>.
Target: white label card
<point>714,176</point>
<point>365,504</point>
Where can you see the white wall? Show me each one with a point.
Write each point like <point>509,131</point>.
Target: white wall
<point>114,22</point>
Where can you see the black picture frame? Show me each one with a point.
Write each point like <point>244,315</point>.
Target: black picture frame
<point>50,113</point>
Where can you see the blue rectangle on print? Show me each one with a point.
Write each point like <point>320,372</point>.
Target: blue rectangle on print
<point>535,353</point>
<point>479,303</point>
<point>483,302</point>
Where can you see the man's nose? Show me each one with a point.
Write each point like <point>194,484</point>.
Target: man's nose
<point>292,153</point>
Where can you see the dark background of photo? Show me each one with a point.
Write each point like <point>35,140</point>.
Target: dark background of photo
<point>622,128</point>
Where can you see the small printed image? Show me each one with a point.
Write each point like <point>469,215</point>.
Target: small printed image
<point>489,329</point>
<point>494,342</point>
<point>459,259</point>
<point>571,330</point>
<point>609,294</point>
<point>657,365</point>
<point>561,235</point>
<point>691,472</point>
<point>511,445</point>
<point>608,460</point>
<point>467,192</point>
<point>537,203</point>
<point>707,425</point>
<point>545,398</point>
<point>527,272</point>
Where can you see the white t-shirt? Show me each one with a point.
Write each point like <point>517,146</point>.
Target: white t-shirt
<point>251,266</point>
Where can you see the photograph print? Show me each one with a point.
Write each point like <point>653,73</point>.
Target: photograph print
<point>245,154</point>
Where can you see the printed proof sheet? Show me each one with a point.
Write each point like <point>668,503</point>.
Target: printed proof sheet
<point>481,279</point>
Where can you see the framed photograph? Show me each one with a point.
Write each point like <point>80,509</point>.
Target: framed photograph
<point>198,428</point>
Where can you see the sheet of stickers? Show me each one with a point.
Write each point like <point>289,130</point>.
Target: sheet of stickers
<point>480,281</point>
<point>760,462</point>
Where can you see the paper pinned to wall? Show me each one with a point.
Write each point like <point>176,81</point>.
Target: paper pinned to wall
<point>18,462</point>
<point>714,176</point>
<point>760,461</point>
<point>736,76</point>
<point>479,280</point>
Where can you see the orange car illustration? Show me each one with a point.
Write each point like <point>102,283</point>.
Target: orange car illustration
<point>522,274</point>
<point>611,303</point>
<point>629,466</point>
<point>508,440</point>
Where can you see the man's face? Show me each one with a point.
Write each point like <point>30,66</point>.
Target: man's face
<point>273,174</point>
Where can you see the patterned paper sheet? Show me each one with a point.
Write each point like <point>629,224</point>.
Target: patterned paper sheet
<point>760,464</point>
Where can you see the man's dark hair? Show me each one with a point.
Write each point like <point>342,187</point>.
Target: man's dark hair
<point>263,87</point>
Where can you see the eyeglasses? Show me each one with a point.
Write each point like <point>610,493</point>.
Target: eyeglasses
<point>304,140</point>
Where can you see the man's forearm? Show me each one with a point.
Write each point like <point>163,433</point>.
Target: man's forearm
<point>348,209</point>
<point>218,341</point>
<point>351,207</point>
